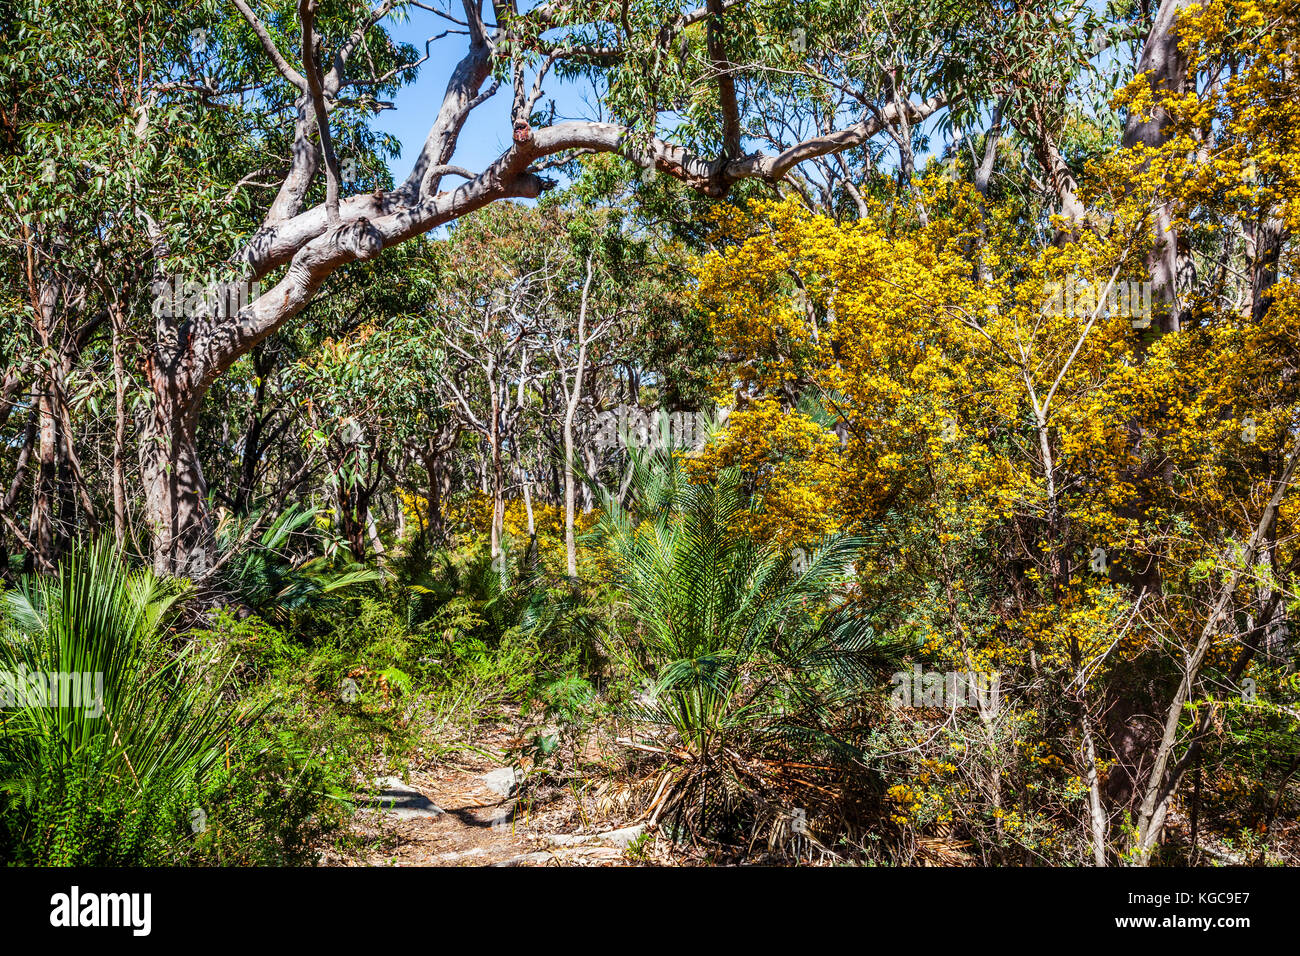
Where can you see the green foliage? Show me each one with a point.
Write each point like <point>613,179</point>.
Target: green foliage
<point>469,611</point>
<point>290,784</point>
<point>278,574</point>
<point>116,766</point>
<point>743,651</point>
<point>567,704</point>
<point>171,771</point>
<point>733,636</point>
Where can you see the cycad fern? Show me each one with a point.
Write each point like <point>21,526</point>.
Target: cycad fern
<point>742,645</point>
<point>279,574</point>
<point>466,595</point>
<point>711,604</point>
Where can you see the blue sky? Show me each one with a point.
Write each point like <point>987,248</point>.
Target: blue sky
<point>487,134</point>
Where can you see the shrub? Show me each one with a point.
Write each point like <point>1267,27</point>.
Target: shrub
<point>742,651</point>
<point>112,779</point>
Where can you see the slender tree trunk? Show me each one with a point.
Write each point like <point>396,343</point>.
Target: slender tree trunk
<point>1096,812</point>
<point>498,481</point>
<point>1166,68</point>
<point>570,410</point>
<point>528,506</point>
<point>438,477</point>
<point>1269,237</point>
<point>44,531</point>
<point>119,430</point>
<point>399,522</point>
<point>252,451</point>
<point>16,484</point>
<point>372,529</point>
<point>570,538</point>
<point>353,511</point>
<point>492,476</point>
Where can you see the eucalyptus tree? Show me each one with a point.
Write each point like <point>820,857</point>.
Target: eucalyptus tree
<point>499,292</point>
<point>135,136</point>
<point>374,396</point>
<point>609,290</point>
<point>78,149</point>
<point>672,82</point>
<point>250,124</point>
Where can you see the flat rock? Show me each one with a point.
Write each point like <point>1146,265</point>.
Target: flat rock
<point>404,802</point>
<point>461,854</point>
<point>613,838</point>
<point>526,859</point>
<point>501,781</point>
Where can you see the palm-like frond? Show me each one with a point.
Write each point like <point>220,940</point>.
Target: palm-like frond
<point>732,634</point>
<point>141,719</point>
<point>281,572</point>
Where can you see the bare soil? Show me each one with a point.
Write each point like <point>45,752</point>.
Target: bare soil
<point>542,824</point>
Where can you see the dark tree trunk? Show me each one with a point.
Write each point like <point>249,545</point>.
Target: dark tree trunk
<point>175,491</point>
<point>353,510</point>
<point>1269,238</point>
<point>45,531</point>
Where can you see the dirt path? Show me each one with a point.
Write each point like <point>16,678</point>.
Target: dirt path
<point>479,826</point>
